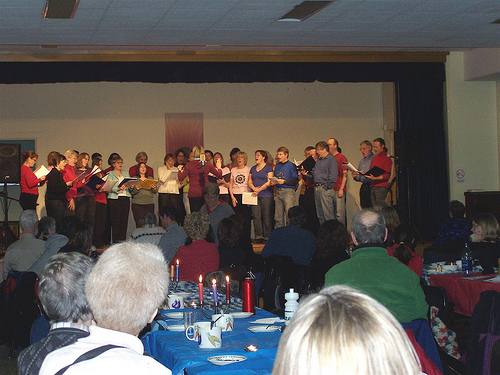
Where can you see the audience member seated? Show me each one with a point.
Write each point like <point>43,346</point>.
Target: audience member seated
<point>451,237</point>
<point>81,241</point>
<point>21,255</point>
<point>343,331</point>
<point>391,222</point>
<point>404,248</point>
<point>199,256</point>
<point>61,290</point>
<point>148,232</point>
<point>124,290</point>
<point>174,235</point>
<point>216,208</point>
<point>53,243</point>
<point>332,247</point>
<point>374,272</point>
<point>485,244</point>
<point>292,240</point>
<point>231,254</point>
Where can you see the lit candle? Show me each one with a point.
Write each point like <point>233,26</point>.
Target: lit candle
<point>200,288</point>
<point>214,289</point>
<point>228,289</point>
<point>177,271</point>
<point>172,272</point>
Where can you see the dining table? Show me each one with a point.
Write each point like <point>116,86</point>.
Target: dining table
<point>465,291</point>
<point>182,356</point>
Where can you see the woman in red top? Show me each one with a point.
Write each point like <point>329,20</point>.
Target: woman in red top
<point>69,175</point>
<point>29,182</point>
<point>197,171</point>
<point>379,184</point>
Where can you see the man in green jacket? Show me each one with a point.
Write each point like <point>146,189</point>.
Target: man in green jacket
<point>374,272</point>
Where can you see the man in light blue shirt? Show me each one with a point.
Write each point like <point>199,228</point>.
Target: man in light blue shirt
<point>174,236</point>
<point>364,166</point>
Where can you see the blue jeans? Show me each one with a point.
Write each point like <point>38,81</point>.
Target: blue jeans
<point>284,201</point>
<point>325,203</point>
<point>263,217</point>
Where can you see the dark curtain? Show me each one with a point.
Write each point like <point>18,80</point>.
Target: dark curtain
<point>422,158</point>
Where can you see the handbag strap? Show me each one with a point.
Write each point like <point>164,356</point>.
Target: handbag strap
<point>88,355</point>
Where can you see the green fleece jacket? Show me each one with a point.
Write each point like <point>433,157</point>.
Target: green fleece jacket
<point>384,278</point>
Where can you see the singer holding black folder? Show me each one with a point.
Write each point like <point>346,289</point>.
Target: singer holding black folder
<point>379,184</point>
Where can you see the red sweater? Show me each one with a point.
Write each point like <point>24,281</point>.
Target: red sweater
<point>69,174</point>
<point>382,161</point>
<point>194,171</point>
<point>415,264</point>
<point>29,182</point>
<point>340,160</point>
<point>199,258</point>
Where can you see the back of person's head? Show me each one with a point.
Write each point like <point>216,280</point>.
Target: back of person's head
<point>61,288</point>
<point>81,238</point>
<point>128,283</point>
<point>228,232</point>
<point>149,220</point>
<point>457,209</point>
<point>332,237</point>
<point>489,224</point>
<point>405,238</point>
<point>344,331</point>
<point>46,225</point>
<point>211,189</point>
<point>67,226</point>
<point>368,226</point>
<point>197,151</point>
<point>28,220</point>
<point>196,226</point>
<point>378,206</point>
<point>391,217</point>
<point>169,212</point>
<point>296,216</point>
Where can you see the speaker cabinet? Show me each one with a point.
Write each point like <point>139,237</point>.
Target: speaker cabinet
<point>10,162</point>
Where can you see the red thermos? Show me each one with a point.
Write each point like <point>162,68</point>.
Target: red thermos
<point>248,294</point>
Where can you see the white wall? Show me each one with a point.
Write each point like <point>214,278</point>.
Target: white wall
<point>129,117</point>
<point>472,130</point>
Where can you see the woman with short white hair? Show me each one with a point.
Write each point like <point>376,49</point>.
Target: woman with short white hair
<point>344,331</point>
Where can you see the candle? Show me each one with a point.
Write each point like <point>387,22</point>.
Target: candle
<point>214,289</point>
<point>228,289</point>
<point>200,288</point>
<point>172,274</point>
<point>177,271</point>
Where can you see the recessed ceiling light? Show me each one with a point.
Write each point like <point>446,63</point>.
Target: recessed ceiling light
<point>61,8</point>
<point>305,10</point>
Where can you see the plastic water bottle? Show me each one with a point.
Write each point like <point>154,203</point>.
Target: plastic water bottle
<point>466,261</point>
<point>291,305</point>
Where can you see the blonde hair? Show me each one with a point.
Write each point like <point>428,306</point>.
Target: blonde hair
<point>490,227</point>
<point>128,283</point>
<point>344,331</point>
<point>70,154</point>
<point>197,151</point>
<point>244,155</point>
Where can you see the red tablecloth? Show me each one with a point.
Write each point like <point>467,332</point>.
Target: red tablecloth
<point>463,293</point>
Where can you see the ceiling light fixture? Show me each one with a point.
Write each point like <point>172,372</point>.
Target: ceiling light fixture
<point>305,10</point>
<point>61,8</point>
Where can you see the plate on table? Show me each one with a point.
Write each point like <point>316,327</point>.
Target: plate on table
<point>263,328</point>
<point>174,315</point>
<point>221,360</point>
<point>176,327</point>
<point>241,314</point>
<point>182,294</point>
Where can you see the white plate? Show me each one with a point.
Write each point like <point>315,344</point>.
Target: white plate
<point>174,315</point>
<point>263,328</point>
<point>176,327</point>
<point>240,315</point>
<point>182,294</point>
<point>222,360</point>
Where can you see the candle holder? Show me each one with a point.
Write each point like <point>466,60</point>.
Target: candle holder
<point>218,308</point>
<point>174,284</point>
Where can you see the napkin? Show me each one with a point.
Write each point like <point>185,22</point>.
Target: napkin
<point>268,320</point>
<point>495,279</point>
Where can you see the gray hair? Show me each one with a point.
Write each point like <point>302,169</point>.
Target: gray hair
<point>211,189</point>
<point>196,225</point>
<point>61,287</point>
<point>28,219</point>
<point>127,285</point>
<point>368,226</point>
<point>149,220</point>
<point>344,331</point>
